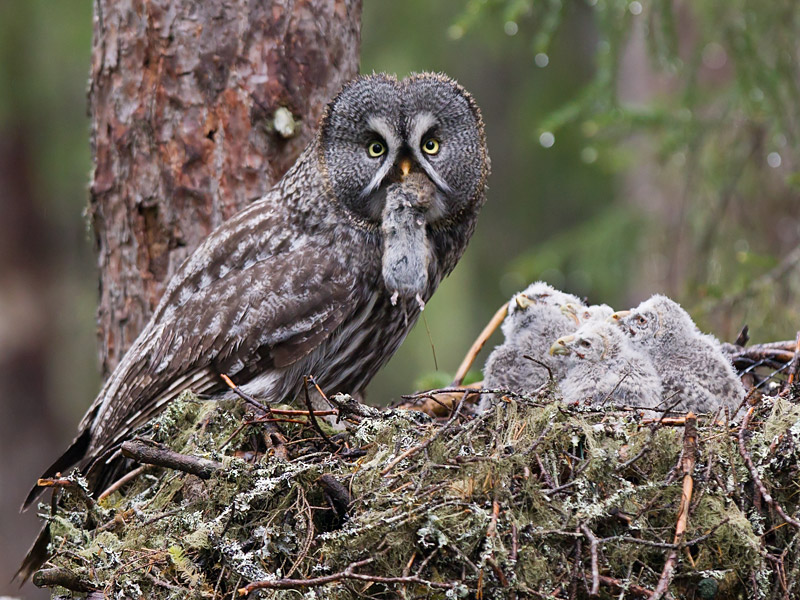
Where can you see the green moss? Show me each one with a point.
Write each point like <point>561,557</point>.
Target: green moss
<point>475,509</point>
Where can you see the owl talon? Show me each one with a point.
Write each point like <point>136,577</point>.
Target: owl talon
<point>420,302</point>
<point>394,298</point>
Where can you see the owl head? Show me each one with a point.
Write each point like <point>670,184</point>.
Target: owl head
<point>405,159</point>
<point>583,314</point>
<point>594,342</point>
<point>535,302</point>
<point>655,320</point>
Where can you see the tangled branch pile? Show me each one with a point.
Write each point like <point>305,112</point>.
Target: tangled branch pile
<point>533,499</point>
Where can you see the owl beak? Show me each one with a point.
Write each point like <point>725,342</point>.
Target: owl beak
<point>571,311</point>
<point>523,301</point>
<point>618,316</point>
<point>560,347</point>
<point>405,166</point>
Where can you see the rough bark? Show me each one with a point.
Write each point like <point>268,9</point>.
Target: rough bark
<point>183,100</point>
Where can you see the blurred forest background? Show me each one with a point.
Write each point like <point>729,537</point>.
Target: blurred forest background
<point>637,147</point>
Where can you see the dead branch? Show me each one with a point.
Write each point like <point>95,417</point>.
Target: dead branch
<point>338,494</point>
<point>152,453</point>
<point>246,397</point>
<point>593,551</point>
<point>794,369</point>
<point>61,482</point>
<point>687,461</point>
<point>439,432</point>
<point>311,417</point>
<point>626,587</point>
<point>274,437</point>
<point>348,573</point>
<point>130,476</point>
<point>754,472</point>
<point>478,344</point>
<point>64,578</point>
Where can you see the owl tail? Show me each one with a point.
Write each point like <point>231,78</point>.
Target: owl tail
<point>73,454</point>
<point>35,557</point>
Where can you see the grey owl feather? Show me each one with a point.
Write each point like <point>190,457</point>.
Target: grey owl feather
<point>603,366</point>
<point>694,371</point>
<point>537,317</point>
<point>311,279</point>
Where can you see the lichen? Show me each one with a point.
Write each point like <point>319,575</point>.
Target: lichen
<point>493,505</point>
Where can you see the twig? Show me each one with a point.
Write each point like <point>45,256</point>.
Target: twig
<point>492,529</point>
<point>414,449</point>
<point>665,545</point>
<point>338,494</point>
<point>687,463</point>
<point>167,585</point>
<point>544,472</point>
<point>593,551</point>
<point>570,483</point>
<point>625,586</point>
<point>122,481</point>
<point>246,397</point>
<point>478,344</point>
<point>754,473</point>
<point>541,364</point>
<point>302,413</point>
<point>514,543</point>
<point>348,573</point>
<point>62,577</point>
<point>66,483</point>
<point>311,417</point>
<point>501,577</point>
<point>576,567</point>
<point>542,435</point>
<point>152,453</point>
<point>794,370</point>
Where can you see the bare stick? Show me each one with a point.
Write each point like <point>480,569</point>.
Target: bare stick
<point>478,344</point>
<point>274,436</point>
<point>414,449</point>
<point>573,481</point>
<point>247,398</point>
<point>348,573</point>
<point>593,550</point>
<point>156,454</point>
<point>794,370</point>
<point>302,413</point>
<point>122,481</point>
<point>338,494</point>
<point>541,364</point>
<point>62,577</point>
<point>501,577</point>
<point>65,483</point>
<point>313,418</point>
<point>754,473</point>
<point>629,587</point>
<point>687,463</point>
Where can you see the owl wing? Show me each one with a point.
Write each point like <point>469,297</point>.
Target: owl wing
<point>271,313</point>
<point>234,304</point>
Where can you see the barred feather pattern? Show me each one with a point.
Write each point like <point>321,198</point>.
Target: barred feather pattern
<point>293,285</point>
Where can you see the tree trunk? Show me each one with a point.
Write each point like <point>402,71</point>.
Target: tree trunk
<point>190,105</point>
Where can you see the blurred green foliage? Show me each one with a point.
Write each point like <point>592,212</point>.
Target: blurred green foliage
<point>637,147</point>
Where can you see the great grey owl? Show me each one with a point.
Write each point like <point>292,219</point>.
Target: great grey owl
<point>324,275</point>
<point>695,373</point>
<point>603,366</point>
<point>537,316</point>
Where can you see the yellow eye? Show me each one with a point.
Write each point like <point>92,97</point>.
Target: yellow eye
<point>376,149</point>
<point>430,146</point>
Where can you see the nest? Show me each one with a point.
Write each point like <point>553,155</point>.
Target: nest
<point>533,499</point>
